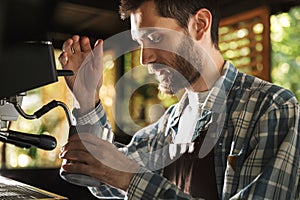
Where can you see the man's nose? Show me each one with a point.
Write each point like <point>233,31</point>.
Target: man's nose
<point>148,56</point>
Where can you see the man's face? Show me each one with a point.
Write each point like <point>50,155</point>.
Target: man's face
<point>166,49</point>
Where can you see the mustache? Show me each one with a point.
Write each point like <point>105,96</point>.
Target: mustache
<point>156,67</point>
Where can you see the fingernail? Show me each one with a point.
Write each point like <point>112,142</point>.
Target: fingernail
<point>97,42</point>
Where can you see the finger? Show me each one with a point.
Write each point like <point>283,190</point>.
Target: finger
<point>75,167</point>
<point>74,145</point>
<point>63,59</point>
<point>67,46</point>
<point>76,44</point>
<point>90,143</point>
<point>77,156</point>
<point>84,142</point>
<point>85,44</point>
<point>83,168</point>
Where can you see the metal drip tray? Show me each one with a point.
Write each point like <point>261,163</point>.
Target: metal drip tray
<point>14,190</point>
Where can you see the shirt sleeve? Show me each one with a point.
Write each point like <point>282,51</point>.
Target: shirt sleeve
<point>271,170</point>
<point>96,116</point>
<point>95,122</point>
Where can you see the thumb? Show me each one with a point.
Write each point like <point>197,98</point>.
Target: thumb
<point>98,56</point>
<point>98,63</point>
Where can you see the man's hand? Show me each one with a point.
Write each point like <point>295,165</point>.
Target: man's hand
<point>98,158</point>
<point>86,63</point>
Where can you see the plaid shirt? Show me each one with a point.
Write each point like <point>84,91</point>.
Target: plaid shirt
<point>256,137</point>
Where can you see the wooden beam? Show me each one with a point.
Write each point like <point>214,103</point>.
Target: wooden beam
<point>112,5</point>
<point>232,7</point>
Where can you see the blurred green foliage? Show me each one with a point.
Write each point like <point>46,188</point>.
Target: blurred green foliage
<point>285,47</point>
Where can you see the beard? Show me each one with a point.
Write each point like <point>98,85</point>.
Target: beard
<point>181,71</point>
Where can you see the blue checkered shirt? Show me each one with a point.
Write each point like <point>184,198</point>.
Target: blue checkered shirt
<point>256,139</point>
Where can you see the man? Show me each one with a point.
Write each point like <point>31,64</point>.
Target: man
<point>231,136</point>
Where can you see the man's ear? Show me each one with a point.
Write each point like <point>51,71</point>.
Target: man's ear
<point>200,24</point>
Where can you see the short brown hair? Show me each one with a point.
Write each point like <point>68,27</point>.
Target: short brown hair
<point>180,10</point>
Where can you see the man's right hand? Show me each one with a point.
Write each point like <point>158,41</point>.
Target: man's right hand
<point>87,65</point>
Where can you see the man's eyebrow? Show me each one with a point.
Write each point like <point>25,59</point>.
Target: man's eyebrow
<point>138,34</point>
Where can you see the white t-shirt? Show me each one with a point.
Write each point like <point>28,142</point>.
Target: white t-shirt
<point>189,117</point>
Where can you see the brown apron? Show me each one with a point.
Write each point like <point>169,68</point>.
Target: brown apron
<point>193,175</point>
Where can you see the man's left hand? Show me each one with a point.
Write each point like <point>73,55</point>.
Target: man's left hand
<point>98,158</point>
